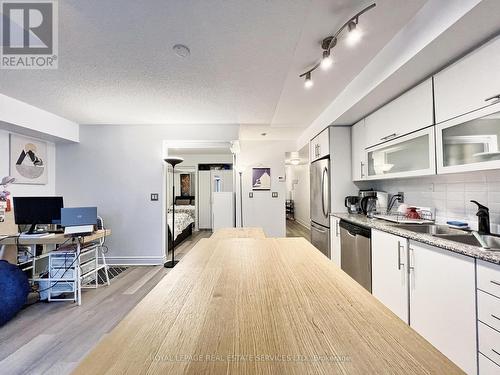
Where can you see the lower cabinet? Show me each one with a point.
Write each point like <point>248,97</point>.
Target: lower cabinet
<point>442,302</point>
<point>389,272</point>
<point>335,240</point>
<point>431,289</point>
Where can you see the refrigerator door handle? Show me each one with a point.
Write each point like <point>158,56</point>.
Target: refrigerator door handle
<point>324,176</point>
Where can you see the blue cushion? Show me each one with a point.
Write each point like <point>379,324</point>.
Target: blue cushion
<point>14,289</point>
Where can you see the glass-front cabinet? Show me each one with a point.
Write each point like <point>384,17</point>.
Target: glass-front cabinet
<point>411,155</point>
<point>470,142</point>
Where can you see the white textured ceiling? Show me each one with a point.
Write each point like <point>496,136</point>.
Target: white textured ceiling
<point>116,65</point>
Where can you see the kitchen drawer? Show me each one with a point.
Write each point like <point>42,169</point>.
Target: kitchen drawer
<point>487,366</point>
<point>488,277</point>
<point>488,309</point>
<point>489,342</point>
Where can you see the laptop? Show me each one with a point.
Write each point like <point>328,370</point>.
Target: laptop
<point>78,220</point>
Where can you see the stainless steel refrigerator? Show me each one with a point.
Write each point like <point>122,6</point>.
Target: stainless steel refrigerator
<point>320,205</point>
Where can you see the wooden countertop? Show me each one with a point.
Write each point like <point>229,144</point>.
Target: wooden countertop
<point>261,306</point>
<point>238,233</point>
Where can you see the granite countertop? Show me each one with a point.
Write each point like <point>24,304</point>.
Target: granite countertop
<point>385,226</point>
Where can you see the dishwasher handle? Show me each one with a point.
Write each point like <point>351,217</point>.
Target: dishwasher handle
<point>355,230</point>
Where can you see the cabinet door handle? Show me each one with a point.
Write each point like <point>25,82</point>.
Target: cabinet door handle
<point>411,265</point>
<point>492,97</point>
<point>494,316</point>
<point>495,282</point>
<point>362,167</point>
<point>399,255</point>
<point>388,137</point>
<point>494,351</point>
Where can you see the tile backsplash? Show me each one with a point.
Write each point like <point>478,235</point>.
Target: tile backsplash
<point>450,195</point>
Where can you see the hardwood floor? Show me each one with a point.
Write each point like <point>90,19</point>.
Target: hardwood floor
<point>294,229</point>
<point>51,338</point>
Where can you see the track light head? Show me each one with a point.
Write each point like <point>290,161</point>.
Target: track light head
<point>327,61</point>
<point>354,35</point>
<point>308,83</point>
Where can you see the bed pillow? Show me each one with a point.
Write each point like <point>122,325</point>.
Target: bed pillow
<point>182,202</point>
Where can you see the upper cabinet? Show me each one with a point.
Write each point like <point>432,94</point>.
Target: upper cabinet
<point>470,142</point>
<point>410,112</point>
<point>471,83</point>
<point>320,145</point>
<point>358,154</point>
<point>411,155</point>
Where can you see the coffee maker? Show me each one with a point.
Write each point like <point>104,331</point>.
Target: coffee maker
<point>352,204</point>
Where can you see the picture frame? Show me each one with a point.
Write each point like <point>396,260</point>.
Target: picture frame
<point>28,160</point>
<point>261,179</point>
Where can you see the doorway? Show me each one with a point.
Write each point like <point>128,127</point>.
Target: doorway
<point>200,182</point>
<point>298,194</point>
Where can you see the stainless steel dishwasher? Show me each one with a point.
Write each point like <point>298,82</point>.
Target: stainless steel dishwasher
<point>355,256</point>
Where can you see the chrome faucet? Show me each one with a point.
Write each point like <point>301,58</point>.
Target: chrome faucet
<point>483,214</point>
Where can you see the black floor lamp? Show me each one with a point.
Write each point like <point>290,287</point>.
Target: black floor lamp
<point>173,161</point>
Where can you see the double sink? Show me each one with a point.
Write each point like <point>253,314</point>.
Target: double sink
<point>488,242</point>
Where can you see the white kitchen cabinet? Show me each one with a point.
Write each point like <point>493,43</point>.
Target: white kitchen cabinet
<point>442,302</point>
<point>409,112</point>
<point>335,239</point>
<point>467,85</point>
<point>408,156</point>
<point>358,153</point>
<point>390,273</point>
<point>320,145</point>
<point>487,366</point>
<point>470,142</point>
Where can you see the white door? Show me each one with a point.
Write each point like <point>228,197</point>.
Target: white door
<point>358,154</point>
<point>443,302</point>
<point>222,210</point>
<point>204,200</point>
<point>469,84</point>
<point>390,272</point>
<point>335,240</point>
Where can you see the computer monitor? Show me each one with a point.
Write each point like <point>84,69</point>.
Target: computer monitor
<point>37,210</point>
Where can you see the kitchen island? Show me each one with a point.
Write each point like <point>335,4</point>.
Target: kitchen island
<point>261,306</point>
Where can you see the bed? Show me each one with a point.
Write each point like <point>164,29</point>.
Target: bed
<point>184,219</point>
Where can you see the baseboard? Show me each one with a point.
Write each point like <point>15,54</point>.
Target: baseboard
<point>135,260</point>
<point>305,225</point>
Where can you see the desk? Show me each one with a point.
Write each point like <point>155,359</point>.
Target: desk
<point>238,233</point>
<point>261,306</point>
<point>9,251</point>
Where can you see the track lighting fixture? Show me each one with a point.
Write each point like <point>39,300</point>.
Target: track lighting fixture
<point>327,61</point>
<point>308,83</point>
<point>354,34</point>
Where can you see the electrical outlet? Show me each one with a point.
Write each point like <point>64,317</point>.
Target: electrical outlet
<point>250,195</point>
<point>274,194</point>
<point>155,197</point>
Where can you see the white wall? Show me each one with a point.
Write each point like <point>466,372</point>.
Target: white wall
<point>450,194</point>
<point>262,210</point>
<point>299,192</point>
<point>28,190</point>
<point>116,168</point>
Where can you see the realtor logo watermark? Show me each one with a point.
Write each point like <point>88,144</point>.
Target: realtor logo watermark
<point>29,34</point>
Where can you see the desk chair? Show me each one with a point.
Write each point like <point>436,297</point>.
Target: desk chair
<point>100,225</point>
